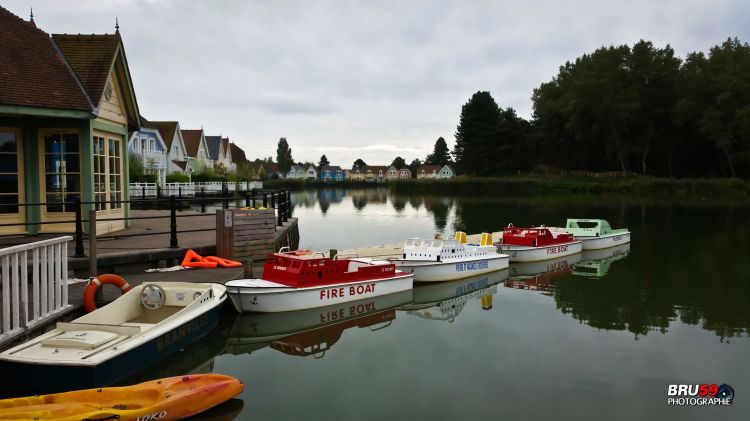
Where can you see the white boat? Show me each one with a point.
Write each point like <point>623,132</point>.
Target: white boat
<point>143,326</point>
<point>536,244</point>
<point>296,282</point>
<point>448,260</point>
<point>596,234</point>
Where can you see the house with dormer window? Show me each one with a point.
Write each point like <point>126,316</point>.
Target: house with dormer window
<point>67,112</point>
<point>196,150</point>
<point>331,173</point>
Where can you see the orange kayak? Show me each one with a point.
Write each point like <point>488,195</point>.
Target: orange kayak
<point>173,398</point>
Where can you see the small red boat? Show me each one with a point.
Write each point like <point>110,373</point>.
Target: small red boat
<point>535,244</point>
<point>294,282</point>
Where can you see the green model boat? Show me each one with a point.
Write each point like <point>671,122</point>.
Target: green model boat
<point>596,233</point>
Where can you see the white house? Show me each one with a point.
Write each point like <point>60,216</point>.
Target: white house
<point>177,160</point>
<point>148,144</point>
<point>446,172</point>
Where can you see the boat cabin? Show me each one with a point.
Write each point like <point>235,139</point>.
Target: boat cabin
<point>590,228</point>
<point>534,237</point>
<point>296,271</point>
<point>450,249</point>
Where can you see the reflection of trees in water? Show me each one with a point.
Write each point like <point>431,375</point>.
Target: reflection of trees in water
<point>361,197</point>
<point>684,263</point>
<point>684,271</point>
<point>415,201</point>
<point>326,196</point>
<point>440,208</point>
<point>399,203</point>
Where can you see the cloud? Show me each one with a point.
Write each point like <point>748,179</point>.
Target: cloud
<point>365,79</point>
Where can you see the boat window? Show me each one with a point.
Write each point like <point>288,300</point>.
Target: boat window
<point>587,224</point>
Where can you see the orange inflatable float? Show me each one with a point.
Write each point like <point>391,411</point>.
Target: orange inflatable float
<point>195,260</point>
<point>173,398</point>
<point>88,294</point>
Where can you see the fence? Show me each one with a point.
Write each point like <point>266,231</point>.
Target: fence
<point>191,189</point>
<point>48,263</point>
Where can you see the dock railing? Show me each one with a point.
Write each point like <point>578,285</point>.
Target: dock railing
<point>33,284</point>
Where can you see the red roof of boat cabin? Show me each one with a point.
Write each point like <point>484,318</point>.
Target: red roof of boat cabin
<point>534,237</point>
<point>301,272</point>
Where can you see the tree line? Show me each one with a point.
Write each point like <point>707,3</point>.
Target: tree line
<point>632,109</point>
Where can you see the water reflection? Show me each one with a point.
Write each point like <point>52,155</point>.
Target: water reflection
<point>445,300</point>
<point>312,331</point>
<point>674,271</point>
<point>596,263</point>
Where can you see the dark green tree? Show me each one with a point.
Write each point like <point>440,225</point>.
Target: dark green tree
<point>359,163</point>
<point>323,162</point>
<point>399,163</point>
<point>440,154</point>
<point>413,167</point>
<point>284,156</point>
<point>476,133</point>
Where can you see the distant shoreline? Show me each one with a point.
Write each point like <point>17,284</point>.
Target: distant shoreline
<point>644,185</point>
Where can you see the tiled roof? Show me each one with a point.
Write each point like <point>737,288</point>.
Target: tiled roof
<point>32,72</point>
<point>428,169</point>
<point>91,57</point>
<point>331,168</point>
<point>192,139</point>
<point>213,143</point>
<point>238,155</point>
<point>375,168</point>
<point>271,168</point>
<point>225,147</point>
<point>166,129</point>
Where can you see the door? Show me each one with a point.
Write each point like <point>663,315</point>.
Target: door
<point>61,178</point>
<point>108,182</point>
<point>11,186</point>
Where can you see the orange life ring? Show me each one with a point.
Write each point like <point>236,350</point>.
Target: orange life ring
<point>88,294</point>
<point>302,252</point>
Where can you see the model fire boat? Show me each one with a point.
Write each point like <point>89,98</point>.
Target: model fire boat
<point>535,244</point>
<point>294,282</point>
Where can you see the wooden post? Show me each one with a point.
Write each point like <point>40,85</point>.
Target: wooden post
<point>93,269</point>
<point>332,253</point>
<point>247,268</point>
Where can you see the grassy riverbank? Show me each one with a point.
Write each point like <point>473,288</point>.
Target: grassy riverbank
<point>523,184</point>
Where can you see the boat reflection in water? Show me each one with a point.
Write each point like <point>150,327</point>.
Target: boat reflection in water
<point>311,331</point>
<point>445,300</point>
<point>596,263</point>
<point>539,275</point>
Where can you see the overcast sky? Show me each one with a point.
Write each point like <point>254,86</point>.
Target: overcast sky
<point>369,79</point>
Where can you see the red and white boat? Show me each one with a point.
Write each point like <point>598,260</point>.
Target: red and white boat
<point>294,282</point>
<point>535,244</point>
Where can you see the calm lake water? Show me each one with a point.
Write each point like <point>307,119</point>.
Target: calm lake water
<point>592,336</point>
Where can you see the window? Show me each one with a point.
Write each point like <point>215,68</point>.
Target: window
<point>62,171</point>
<point>107,173</point>
<point>8,172</point>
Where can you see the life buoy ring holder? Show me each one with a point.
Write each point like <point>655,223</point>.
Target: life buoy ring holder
<point>93,285</point>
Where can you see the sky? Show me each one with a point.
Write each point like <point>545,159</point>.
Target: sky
<point>364,79</point>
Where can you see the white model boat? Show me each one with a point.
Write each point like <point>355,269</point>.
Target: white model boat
<point>293,282</point>
<point>448,260</point>
<point>536,244</point>
<point>143,326</point>
<point>595,234</point>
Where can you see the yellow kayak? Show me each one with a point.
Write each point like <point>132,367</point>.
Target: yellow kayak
<point>173,398</point>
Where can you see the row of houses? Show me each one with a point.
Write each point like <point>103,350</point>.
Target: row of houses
<point>370,173</point>
<point>69,117</point>
<point>164,148</point>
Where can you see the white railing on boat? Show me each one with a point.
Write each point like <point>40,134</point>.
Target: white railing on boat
<point>33,284</point>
